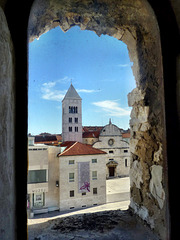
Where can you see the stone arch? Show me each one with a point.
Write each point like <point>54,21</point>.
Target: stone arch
<point>134,23</point>
<point>17,15</point>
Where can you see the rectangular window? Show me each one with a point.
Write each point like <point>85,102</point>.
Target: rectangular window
<point>111,151</point>
<point>111,159</point>
<point>70,129</point>
<point>37,176</point>
<point>71,177</point>
<point>94,160</point>
<point>83,193</point>
<point>76,129</point>
<point>70,120</point>
<point>76,120</point>
<point>71,193</point>
<point>71,162</point>
<point>94,190</point>
<point>125,151</point>
<point>73,109</point>
<point>70,109</point>
<point>94,175</point>
<point>126,164</point>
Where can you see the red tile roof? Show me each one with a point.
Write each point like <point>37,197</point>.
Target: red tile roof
<point>67,144</point>
<point>77,148</point>
<point>91,134</point>
<point>92,128</point>
<point>48,142</point>
<point>126,135</point>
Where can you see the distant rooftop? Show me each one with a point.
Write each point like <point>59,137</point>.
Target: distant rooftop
<point>77,148</point>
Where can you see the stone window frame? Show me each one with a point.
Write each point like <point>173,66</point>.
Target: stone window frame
<point>94,175</point>
<point>95,191</point>
<point>71,193</point>
<point>94,160</point>
<point>71,177</point>
<point>71,162</point>
<point>126,162</point>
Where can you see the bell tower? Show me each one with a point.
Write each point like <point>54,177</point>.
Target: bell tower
<point>72,116</point>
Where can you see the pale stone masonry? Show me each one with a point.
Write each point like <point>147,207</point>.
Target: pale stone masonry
<point>118,155</point>
<point>43,178</point>
<point>81,187</point>
<point>72,116</point>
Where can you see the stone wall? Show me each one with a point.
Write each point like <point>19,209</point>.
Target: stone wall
<point>7,166</point>
<point>52,197</point>
<point>78,201</point>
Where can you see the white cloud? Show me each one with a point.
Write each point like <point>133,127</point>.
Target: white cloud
<point>125,65</point>
<point>50,92</point>
<point>112,108</point>
<point>87,90</point>
<point>65,80</point>
<point>49,84</point>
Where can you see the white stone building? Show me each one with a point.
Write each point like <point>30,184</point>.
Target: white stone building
<point>43,178</point>
<point>82,176</point>
<point>116,146</point>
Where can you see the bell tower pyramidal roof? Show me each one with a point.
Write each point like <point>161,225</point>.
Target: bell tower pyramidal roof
<point>72,94</point>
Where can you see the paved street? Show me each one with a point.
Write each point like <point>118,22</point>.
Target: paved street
<point>106,225</point>
<point>117,190</point>
<point>117,198</point>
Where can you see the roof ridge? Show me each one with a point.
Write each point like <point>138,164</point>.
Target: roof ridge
<point>79,148</point>
<point>69,148</point>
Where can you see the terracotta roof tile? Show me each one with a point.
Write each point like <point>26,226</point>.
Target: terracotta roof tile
<point>94,134</point>
<point>92,128</point>
<point>126,135</point>
<point>79,149</point>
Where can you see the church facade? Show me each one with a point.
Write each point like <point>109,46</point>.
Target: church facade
<point>117,159</point>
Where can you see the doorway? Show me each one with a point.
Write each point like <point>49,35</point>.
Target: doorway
<point>111,171</point>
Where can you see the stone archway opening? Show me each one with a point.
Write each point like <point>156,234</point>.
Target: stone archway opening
<point>112,168</point>
<point>134,23</point>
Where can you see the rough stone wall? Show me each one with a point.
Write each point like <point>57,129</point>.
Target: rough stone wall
<point>135,24</point>
<point>7,173</point>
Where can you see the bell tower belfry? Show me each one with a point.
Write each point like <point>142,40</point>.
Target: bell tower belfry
<point>72,116</point>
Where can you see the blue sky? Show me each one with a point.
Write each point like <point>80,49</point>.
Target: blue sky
<point>99,68</point>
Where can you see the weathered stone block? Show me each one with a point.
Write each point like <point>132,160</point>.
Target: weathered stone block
<point>135,96</point>
<point>133,144</point>
<point>155,185</point>
<point>135,174</point>
<point>158,154</point>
